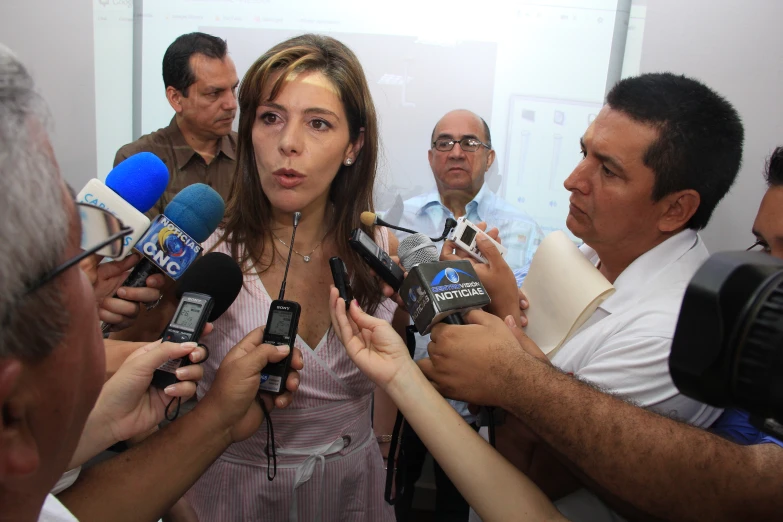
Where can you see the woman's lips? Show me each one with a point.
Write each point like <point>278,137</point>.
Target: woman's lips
<point>288,178</point>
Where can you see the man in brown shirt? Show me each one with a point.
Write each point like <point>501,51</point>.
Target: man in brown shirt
<point>198,146</point>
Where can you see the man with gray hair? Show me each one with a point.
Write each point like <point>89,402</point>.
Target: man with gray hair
<point>52,352</point>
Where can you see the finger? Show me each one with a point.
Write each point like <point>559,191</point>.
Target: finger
<point>155,354</point>
<point>449,251</point>
<point>297,361</point>
<point>339,317</point>
<point>120,307</point>
<point>284,399</point>
<point>518,333</point>
<point>292,381</point>
<point>494,233</point>
<point>481,225</point>
<point>489,250</point>
<point>115,268</point>
<point>191,372</point>
<point>155,281</point>
<point>273,353</point>
<point>363,320</point>
<point>184,389</point>
<point>139,295</point>
<point>523,303</point>
<point>522,320</point>
<point>198,355</point>
<point>117,321</point>
<point>208,329</point>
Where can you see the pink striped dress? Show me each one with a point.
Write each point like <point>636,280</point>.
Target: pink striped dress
<point>329,467</point>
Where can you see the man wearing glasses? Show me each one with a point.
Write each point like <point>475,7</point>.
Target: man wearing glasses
<point>52,352</point>
<point>460,155</point>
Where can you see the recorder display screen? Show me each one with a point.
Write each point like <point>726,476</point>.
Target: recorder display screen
<point>467,235</point>
<point>188,315</point>
<point>281,323</point>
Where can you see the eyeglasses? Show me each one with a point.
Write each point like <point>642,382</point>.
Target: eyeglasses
<point>102,233</point>
<point>466,144</point>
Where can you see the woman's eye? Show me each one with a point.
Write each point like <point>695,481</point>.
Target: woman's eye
<point>320,124</point>
<point>269,117</point>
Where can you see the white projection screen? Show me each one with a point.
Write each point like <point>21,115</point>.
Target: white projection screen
<point>537,71</point>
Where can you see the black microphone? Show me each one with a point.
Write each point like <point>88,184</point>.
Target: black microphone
<point>206,291</point>
<point>437,291</point>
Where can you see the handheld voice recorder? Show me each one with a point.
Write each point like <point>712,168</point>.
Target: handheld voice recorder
<point>282,325</point>
<point>188,324</point>
<point>341,280</point>
<point>377,259</point>
<point>465,234</point>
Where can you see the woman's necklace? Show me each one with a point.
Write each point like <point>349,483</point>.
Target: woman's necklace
<point>306,257</point>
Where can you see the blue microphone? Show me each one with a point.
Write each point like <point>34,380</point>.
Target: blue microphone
<point>171,243</point>
<point>131,189</point>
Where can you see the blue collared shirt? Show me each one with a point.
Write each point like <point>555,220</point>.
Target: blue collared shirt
<point>518,231</point>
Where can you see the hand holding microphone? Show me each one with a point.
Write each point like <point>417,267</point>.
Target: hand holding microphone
<point>496,276</point>
<point>434,290</point>
<point>172,242</point>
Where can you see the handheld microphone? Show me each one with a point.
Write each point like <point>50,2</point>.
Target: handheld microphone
<point>206,291</point>
<point>282,325</point>
<point>130,190</point>
<point>172,242</point>
<point>437,291</point>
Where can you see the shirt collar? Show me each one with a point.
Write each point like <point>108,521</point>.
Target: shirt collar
<point>637,276</point>
<point>483,202</point>
<point>183,152</point>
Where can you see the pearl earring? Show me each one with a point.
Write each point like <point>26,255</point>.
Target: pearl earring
<point>349,162</point>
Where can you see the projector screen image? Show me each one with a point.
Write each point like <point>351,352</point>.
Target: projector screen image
<point>537,72</point>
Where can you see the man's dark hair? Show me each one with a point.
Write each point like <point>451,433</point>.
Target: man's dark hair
<point>176,62</point>
<point>484,123</point>
<point>774,171</point>
<point>700,136</point>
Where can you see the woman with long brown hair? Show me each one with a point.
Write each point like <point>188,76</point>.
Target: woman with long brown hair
<point>308,142</point>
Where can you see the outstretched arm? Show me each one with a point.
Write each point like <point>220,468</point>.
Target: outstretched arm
<point>495,489</point>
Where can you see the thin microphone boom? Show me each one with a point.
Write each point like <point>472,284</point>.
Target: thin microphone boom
<point>371,218</point>
<point>297,217</point>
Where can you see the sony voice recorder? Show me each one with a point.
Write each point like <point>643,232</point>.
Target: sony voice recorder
<point>282,325</point>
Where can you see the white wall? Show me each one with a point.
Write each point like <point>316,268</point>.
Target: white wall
<point>54,38</point>
<point>735,47</point>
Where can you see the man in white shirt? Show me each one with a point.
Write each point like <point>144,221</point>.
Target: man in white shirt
<point>657,160</point>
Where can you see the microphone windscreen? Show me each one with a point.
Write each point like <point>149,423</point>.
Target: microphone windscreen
<point>368,218</point>
<point>416,249</point>
<point>140,180</point>
<point>197,210</point>
<point>217,275</point>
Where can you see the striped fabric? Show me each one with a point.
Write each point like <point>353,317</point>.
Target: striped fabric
<point>329,467</point>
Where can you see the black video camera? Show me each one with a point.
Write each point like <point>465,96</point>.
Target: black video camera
<point>728,346</point>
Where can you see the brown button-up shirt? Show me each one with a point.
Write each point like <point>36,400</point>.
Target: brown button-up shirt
<point>186,166</point>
